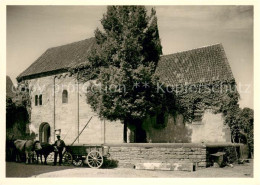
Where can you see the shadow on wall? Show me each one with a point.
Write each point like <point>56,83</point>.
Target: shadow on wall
<point>174,130</point>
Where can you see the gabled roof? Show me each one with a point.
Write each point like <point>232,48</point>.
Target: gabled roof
<point>194,66</point>
<point>59,58</point>
<point>197,65</point>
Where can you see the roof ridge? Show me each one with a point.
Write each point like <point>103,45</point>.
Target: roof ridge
<point>46,60</point>
<point>70,43</point>
<point>193,49</point>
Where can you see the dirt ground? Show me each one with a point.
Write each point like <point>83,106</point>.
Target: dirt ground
<point>36,170</point>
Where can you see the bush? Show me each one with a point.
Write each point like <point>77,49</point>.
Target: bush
<point>231,155</point>
<point>110,163</point>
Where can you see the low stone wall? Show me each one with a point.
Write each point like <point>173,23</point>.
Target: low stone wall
<point>130,154</point>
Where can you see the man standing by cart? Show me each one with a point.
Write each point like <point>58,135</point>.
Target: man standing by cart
<point>59,147</point>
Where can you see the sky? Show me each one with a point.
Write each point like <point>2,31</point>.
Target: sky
<point>31,30</point>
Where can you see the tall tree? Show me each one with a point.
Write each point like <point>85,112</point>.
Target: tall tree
<point>124,64</point>
<point>18,112</point>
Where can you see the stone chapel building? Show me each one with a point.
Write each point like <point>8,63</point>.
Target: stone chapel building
<point>59,101</point>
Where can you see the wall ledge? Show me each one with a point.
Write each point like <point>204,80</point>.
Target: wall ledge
<point>213,145</point>
<point>158,145</point>
<point>166,145</point>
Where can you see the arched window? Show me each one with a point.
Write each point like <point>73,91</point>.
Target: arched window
<point>36,100</point>
<point>40,100</point>
<point>65,96</point>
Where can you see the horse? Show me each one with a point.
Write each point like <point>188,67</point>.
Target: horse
<point>26,147</point>
<point>45,150</point>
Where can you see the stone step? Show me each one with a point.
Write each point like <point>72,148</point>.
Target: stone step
<point>176,166</point>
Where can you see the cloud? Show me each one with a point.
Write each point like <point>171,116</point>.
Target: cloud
<point>229,18</point>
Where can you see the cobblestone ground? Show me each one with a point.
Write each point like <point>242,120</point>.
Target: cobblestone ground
<point>36,170</point>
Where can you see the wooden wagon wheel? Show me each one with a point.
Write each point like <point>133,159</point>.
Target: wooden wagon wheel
<point>94,159</point>
<point>67,158</point>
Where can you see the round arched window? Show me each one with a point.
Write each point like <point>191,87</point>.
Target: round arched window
<point>36,100</point>
<point>65,96</point>
<point>40,100</point>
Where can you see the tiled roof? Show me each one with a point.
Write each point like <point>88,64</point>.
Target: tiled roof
<point>60,57</point>
<point>193,66</point>
<point>197,65</point>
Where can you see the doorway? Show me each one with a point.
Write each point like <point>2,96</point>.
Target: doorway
<point>44,133</point>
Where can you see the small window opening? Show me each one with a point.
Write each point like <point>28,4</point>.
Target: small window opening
<point>36,100</point>
<point>65,96</point>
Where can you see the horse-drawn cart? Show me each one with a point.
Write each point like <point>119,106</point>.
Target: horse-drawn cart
<point>92,155</point>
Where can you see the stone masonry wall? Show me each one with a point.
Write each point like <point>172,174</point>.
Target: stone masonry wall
<point>128,155</point>
<point>42,113</point>
<point>175,130</point>
<point>70,117</point>
<point>210,129</point>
